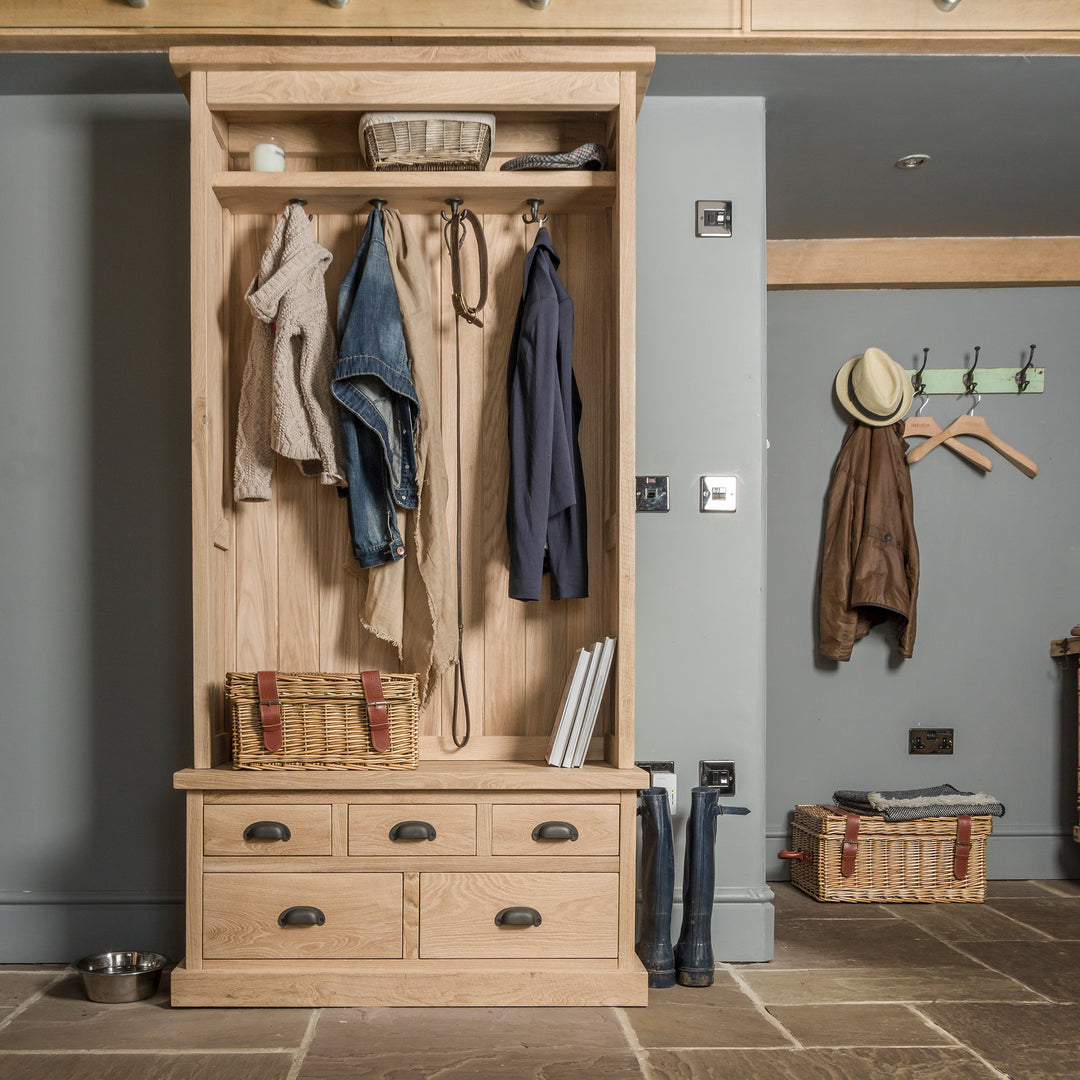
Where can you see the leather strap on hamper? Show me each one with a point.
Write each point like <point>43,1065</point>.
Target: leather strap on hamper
<point>269,709</point>
<point>963,847</point>
<point>851,846</point>
<point>377,712</point>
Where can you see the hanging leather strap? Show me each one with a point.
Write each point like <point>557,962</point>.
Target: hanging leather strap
<point>378,713</point>
<point>851,846</point>
<point>455,238</point>
<point>454,234</point>
<point>269,709</point>
<point>963,847</point>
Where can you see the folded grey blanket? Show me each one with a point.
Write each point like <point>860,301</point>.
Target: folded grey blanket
<point>941,801</point>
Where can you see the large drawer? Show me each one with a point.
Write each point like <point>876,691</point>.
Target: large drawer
<point>547,829</point>
<point>412,829</point>
<point>579,915</point>
<point>243,916</point>
<point>266,829</point>
<point>917,15</point>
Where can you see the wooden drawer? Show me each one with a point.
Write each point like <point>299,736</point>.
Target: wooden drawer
<point>362,916</point>
<point>579,915</point>
<point>283,829</point>
<point>516,829</point>
<point>453,826</point>
<point>918,15</point>
<point>482,14</point>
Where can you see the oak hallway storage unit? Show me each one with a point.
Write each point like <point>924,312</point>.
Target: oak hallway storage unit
<point>484,876</point>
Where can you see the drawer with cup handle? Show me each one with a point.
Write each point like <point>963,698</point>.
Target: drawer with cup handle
<point>555,829</point>
<point>412,829</point>
<point>266,829</point>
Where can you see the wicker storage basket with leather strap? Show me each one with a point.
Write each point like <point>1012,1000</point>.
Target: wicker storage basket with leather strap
<point>845,857</point>
<point>318,721</point>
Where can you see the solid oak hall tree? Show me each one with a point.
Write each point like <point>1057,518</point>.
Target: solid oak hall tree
<point>407,922</point>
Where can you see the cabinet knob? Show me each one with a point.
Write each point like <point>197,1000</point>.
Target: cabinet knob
<point>412,830</point>
<point>267,830</point>
<point>555,830</point>
<point>302,915</point>
<point>138,3</point>
<point>539,4</point>
<point>338,3</point>
<point>518,916</point>
<point>946,5</point>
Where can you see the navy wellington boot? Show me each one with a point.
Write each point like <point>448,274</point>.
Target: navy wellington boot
<point>657,888</point>
<point>694,952</point>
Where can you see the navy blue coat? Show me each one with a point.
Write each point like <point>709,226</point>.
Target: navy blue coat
<point>545,508</point>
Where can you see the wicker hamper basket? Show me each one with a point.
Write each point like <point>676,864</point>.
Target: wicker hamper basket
<point>872,860</point>
<point>395,142</point>
<point>324,722</point>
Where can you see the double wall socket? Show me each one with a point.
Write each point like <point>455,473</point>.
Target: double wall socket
<point>938,740</point>
<point>661,774</point>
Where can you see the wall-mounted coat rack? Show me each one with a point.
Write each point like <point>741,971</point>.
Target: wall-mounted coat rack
<point>1026,379</point>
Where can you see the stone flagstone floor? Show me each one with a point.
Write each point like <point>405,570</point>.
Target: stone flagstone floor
<point>855,992</point>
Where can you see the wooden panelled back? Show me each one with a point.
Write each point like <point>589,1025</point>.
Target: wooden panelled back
<point>297,587</point>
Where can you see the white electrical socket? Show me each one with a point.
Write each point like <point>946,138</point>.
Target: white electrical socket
<point>666,780</point>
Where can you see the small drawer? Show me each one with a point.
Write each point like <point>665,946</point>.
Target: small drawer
<point>302,916</point>
<point>554,829</point>
<point>412,829</point>
<point>578,915</point>
<point>266,829</point>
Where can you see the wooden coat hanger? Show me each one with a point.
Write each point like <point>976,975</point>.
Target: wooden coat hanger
<point>969,424</point>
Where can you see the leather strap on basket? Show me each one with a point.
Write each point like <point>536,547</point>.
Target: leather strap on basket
<point>269,709</point>
<point>963,847</point>
<point>378,713</point>
<point>851,846</point>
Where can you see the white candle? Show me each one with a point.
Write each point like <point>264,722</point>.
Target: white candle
<point>267,157</point>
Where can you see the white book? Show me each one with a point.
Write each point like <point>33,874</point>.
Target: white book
<point>580,709</point>
<point>596,696</point>
<point>567,710</point>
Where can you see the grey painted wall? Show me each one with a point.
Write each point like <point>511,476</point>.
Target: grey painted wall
<point>95,529</point>
<point>700,410</point>
<point>999,557</point>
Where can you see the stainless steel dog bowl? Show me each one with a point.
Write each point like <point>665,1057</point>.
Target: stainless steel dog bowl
<point>114,977</point>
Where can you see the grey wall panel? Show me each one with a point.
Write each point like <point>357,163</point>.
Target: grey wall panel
<point>999,556</point>
<point>700,409</point>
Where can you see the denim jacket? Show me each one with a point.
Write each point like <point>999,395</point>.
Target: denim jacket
<point>379,408</point>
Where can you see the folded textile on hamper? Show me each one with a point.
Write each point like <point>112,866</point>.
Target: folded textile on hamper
<point>941,801</point>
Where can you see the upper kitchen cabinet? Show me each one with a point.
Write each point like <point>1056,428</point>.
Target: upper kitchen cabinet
<point>923,16</point>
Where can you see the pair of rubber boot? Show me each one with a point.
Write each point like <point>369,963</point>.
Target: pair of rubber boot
<point>691,960</point>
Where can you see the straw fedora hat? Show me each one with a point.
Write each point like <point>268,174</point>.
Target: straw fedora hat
<point>874,388</point>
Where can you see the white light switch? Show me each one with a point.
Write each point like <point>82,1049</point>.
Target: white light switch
<point>718,493</point>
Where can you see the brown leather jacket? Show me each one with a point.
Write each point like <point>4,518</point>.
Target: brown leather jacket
<point>870,557</point>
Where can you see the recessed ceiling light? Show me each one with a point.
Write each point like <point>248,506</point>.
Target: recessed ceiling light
<point>912,161</point>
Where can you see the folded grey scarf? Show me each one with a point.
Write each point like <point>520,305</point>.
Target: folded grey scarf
<point>941,801</point>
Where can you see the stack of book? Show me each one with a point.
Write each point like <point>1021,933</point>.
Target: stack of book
<point>580,705</point>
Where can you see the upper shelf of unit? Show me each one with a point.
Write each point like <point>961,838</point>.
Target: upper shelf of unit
<point>416,192</point>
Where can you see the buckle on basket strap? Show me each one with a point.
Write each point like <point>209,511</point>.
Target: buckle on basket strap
<point>851,846</point>
<point>269,710</point>
<point>963,847</point>
<point>378,712</point>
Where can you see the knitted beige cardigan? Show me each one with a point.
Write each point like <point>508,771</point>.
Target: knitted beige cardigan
<point>285,401</point>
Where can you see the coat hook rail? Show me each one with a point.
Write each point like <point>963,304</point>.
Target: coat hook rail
<point>996,380</point>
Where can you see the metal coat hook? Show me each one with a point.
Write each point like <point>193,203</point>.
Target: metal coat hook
<point>453,202</point>
<point>917,379</point>
<point>1022,381</point>
<point>969,376</point>
<point>534,217</point>
<point>378,203</point>
<point>299,202</point>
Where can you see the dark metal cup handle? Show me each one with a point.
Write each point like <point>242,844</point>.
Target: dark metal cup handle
<point>518,916</point>
<point>412,830</point>
<point>555,830</point>
<point>304,915</point>
<point>267,830</point>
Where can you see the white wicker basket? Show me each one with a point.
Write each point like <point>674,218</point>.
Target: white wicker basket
<point>427,141</point>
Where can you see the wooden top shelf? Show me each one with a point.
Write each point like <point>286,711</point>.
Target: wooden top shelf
<point>429,776</point>
<point>416,192</point>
